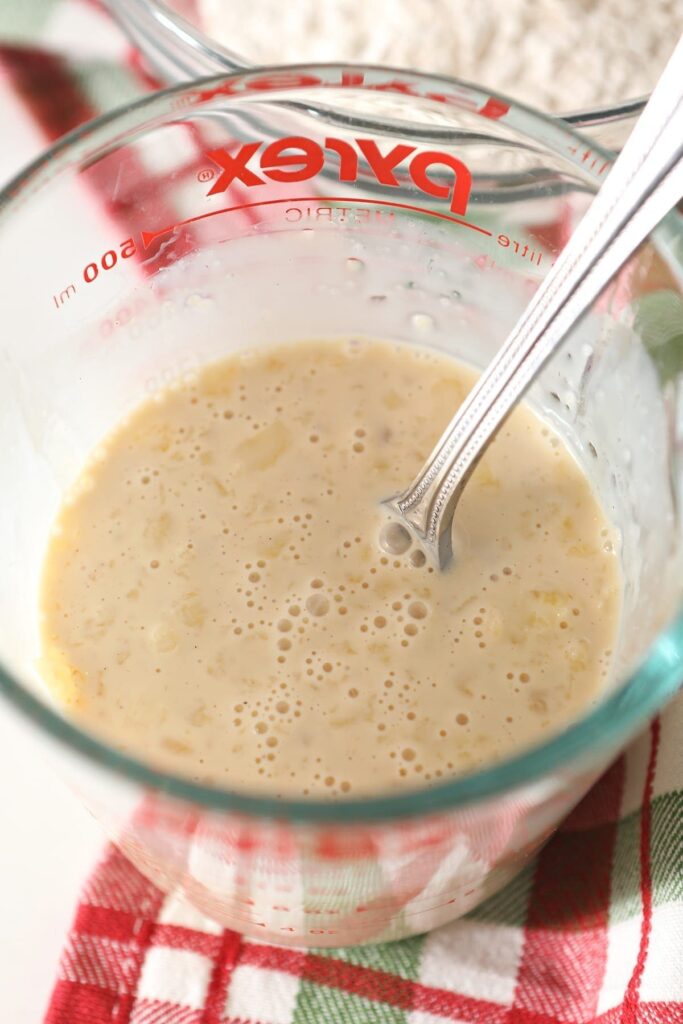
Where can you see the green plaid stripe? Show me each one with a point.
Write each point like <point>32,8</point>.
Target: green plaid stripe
<point>107,85</point>
<point>24,22</point>
<point>667,848</point>
<point>626,900</point>
<point>667,858</point>
<point>399,958</point>
<point>320,1003</point>
<point>317,1004</point>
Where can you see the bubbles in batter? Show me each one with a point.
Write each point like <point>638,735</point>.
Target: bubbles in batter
<point>394,539</point>
<point>226,599</point>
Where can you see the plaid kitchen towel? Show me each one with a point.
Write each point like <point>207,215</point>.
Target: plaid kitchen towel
<point>592,931</point>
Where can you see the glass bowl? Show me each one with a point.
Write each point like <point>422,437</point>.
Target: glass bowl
<point>127,249</point>
<point>171,37</point>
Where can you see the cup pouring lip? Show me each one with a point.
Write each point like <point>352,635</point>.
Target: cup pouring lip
<point>179,47</point>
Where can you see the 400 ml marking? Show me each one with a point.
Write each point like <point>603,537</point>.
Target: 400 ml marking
<point>91,271</point>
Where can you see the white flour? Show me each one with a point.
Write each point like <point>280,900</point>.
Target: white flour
<point>554,54</point>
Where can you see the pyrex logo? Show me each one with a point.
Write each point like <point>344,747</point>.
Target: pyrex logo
<point>296,158</point>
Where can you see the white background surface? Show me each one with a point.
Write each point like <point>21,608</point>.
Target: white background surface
<point>48,845</point>
<point>48,842</point>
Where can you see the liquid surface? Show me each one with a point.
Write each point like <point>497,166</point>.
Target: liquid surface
<point>216,599</point>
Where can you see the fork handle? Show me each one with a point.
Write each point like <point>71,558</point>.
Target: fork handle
<point>645,182</point>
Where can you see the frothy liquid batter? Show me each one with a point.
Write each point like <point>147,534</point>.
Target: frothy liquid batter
<point>216,601</point>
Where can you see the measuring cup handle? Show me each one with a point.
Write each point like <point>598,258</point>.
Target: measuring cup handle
<point>644,184</point>
<point>173,46</point>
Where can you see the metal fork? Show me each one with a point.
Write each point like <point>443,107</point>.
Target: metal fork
<point>645,182</point>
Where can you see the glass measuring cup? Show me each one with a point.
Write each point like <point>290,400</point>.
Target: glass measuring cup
<point>227,215</point>
<point>173,38</point>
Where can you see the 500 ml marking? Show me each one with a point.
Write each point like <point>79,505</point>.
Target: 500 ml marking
<point>65,294</point>
<point>91,271</point>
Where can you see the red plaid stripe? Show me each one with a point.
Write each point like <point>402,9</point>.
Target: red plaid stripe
<point>155,1011</point>
<point>228,958</point>
<point>631,1009</point>
<point>565,947</point>
<point>105,953</point>
<point>45,82</point>
<point>558,982</point>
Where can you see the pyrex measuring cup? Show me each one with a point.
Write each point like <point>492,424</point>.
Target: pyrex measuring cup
<point>175,41</point>
<point>228,215</point>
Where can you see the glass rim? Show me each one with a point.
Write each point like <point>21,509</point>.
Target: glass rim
<point>192,36</point>
<point>613,719</point>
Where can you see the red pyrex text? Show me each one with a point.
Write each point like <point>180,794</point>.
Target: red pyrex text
<point>297,158</point>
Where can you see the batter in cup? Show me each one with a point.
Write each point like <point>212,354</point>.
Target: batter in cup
<point>216,600</point>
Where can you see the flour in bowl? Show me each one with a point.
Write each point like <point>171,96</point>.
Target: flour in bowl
<point>553,54</point>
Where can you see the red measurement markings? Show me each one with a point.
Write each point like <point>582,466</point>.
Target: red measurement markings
<point>594,161</point>
<point>149,237</point>
<point>492,108</point>
<point>109,259</point>
<point>521,249</point>
<point>339,214</point>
